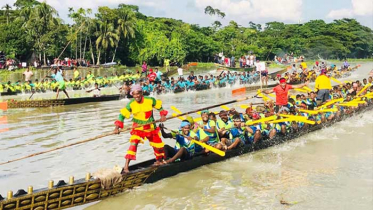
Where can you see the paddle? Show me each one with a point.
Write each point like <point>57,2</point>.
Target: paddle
<point>318,111</point>
<point>362,90</point>
<point>332,102</point>
<point>225,107</point>
<point>176,110</point>
<point>261,120</point>
<point>32,94</point>
<point>337,81</point>
<point>307,88</point>
<point>292,119</point>
<point>175,115</point>
<point>355,105</point>
<point>210,148</point>
<point>309,111</point>
<point>292,116</point>
<point>206,146</point>
<point>126,129</point>
<point>301,90</point>
<point>265,98</point>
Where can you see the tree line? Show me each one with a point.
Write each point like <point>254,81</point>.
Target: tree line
<point>31,29</point>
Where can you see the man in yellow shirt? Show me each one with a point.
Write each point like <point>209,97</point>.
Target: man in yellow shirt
<point>322,86</point>
<point>76,75</point>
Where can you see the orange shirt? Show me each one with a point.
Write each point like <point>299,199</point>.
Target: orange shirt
<point>282,94</point>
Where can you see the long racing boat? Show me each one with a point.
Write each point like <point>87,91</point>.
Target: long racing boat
<point>59,102</point>
<point>74,193</point>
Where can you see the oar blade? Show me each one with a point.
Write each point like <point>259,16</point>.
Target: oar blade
<point>212,149</point>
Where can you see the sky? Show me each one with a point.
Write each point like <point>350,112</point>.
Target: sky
<point>241,11</point>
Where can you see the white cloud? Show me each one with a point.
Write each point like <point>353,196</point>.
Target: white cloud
<point>359,8</point>
<point>340,13</point>
<point>248,10</point>
<point>362,7</point>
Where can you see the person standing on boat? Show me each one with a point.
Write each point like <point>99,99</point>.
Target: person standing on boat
<point>28,74</point>
<point>141,107</point>
<point>282,93</point>
<point>323,86</point>
<point>60,80</point>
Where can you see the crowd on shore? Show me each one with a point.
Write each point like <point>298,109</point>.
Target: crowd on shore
<point>153,82</point>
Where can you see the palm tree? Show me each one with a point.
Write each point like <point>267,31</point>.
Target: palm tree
<point>106,35</point>
<point>7,8</point>
<point>40,22</point>
<point>126,26</point>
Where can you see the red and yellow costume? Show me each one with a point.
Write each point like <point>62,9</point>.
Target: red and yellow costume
<point>143,114</point>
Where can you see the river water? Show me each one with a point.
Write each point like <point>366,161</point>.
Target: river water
<point>327,169</point>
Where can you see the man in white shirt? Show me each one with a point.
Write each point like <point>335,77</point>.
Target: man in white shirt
<point>28,74</point>
<point>180,71</point>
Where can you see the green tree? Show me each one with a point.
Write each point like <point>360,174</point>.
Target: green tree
<point>7,11</point>
<point>126,26</point>
<point>106,36</point>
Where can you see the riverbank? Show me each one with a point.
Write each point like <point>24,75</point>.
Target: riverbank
<point>39,74</point>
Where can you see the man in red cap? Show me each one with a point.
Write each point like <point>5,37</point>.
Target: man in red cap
<point>282,92</point>
<point>152,76</point>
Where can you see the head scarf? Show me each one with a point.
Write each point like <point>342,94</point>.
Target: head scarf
<point>205,112</point>
<point>134,88</point>
<point>183,124</point>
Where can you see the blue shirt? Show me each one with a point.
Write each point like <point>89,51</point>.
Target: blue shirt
<point>159,74</point>
<point>58,77</point>
<point>181,84</point>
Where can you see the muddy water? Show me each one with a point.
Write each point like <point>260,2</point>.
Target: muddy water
<point>331,168</point>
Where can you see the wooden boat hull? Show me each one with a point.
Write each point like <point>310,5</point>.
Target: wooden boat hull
<point>60,102</point>
<point>9,93</point>
<point>81,192</point>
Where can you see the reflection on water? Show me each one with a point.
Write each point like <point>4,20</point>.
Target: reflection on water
<point>315,171</point>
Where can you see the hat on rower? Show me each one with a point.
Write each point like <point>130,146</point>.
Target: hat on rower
<point>184,123</point>
<point>134,88</point>
<point>282,80</point>
<point>151,70</point>
<point>260,108</point>
<point>190,119</point>
<point>205,112</point>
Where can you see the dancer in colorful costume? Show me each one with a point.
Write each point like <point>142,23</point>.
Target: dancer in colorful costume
<point>141,107</point>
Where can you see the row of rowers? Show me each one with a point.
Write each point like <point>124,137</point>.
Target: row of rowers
<point>232,129</point>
